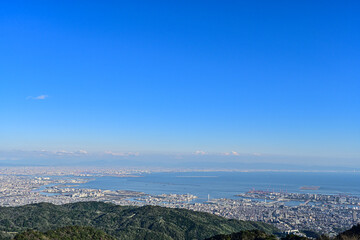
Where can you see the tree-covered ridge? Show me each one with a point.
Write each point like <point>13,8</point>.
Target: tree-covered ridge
<point>85,233</point>
<point>351,234</point>
<point>65,233</point>
<point>244,235</point>
<point>122,222</point>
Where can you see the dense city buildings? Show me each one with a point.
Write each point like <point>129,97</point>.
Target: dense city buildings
<point>287,211</point>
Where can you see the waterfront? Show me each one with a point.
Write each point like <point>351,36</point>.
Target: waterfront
<point>288,207</point>
<point>229,184</point>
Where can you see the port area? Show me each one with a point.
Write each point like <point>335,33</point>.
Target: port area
<point>296,199</point>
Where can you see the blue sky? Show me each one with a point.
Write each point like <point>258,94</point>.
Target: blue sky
<point>222,78</point>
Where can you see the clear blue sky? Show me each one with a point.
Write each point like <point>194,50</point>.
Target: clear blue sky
<point>254,77</point>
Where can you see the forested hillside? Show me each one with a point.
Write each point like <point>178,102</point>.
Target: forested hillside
<point>148,222</point>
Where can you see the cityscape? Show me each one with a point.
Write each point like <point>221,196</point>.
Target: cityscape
<point>320,213</point>
<point>179,120</point>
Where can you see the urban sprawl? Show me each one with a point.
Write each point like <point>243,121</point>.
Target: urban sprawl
<point>287,211</point>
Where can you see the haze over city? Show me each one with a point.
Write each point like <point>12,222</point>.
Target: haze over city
<point>207,84</point>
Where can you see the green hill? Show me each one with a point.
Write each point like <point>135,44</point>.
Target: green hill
<point>244,235</point>
<point>65,233</point>
<point>351,234</point>
<point>122,222</point>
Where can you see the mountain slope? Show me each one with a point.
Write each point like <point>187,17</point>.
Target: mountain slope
<point>244,235</point>
<point>65,233</point>
<point>125,222</point>
<point>351,234</point>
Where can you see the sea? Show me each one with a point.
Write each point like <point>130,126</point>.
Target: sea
<point>229,184</point>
